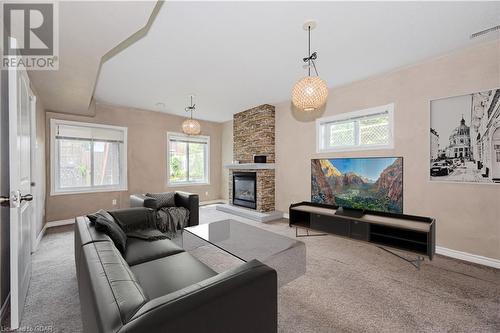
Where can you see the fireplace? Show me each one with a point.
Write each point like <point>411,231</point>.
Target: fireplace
<point>245,189</point>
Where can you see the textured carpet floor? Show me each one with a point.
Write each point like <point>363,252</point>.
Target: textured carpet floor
<point>52,304</point>
<point>348,287</point>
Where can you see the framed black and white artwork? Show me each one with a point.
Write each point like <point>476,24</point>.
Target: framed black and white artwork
<point>465,138</point>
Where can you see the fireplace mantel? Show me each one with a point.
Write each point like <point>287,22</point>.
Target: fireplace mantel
<point>250,166</point>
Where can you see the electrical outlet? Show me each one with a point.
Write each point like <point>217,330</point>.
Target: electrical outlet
<point>206,193</point>
<point>114,202</point>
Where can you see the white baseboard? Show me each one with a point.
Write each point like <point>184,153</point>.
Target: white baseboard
<point>286,216</point>
<point>474,258</point>
<point>211,202</point>
<point>52,224</point>
<point>47,225</point>
<point>4,308</point>
<point>39,238</point>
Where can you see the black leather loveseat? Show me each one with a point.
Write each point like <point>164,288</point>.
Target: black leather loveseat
<point>190,201</point>
<point>158,287</point>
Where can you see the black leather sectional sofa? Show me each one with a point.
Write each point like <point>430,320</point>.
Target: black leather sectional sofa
<point>158,287</point>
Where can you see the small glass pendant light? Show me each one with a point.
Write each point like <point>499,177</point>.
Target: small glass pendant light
<point>191,126</point>
<point>310,92</point>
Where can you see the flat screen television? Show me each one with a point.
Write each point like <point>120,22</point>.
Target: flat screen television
<point>374,183</point>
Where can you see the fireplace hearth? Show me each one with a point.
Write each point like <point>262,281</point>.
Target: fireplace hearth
<point>245,189</point>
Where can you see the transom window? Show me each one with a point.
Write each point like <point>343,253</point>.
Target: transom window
<point>188,159</point>
<point>87,157</point>
<point>359,130</point>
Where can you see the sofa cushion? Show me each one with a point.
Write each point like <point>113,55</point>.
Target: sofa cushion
<point>166,199</point>
<point>109,274</point>
<point>165,275</point>
<point>113,230</point>
<point>139,251</point>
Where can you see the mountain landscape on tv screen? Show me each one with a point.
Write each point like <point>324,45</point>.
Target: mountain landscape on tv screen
<point>363,183</point>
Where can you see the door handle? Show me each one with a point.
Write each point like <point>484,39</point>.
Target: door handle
<point>27,197</point>
<point>15,199</point>
<point>4,201</point>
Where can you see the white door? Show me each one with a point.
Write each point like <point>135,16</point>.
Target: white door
<point>20,185</point>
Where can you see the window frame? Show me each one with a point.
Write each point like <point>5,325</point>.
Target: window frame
<point>54,161</point>
<point>347,117</point>
<point>207,160</point>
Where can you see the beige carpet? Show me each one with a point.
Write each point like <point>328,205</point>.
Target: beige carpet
<point>351,286</point>
<point>348,287</point>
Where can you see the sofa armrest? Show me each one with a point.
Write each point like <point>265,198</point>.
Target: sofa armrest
<point>191,202</point>
<point>243,299</point>
<point>140,200</point>
<point>134,218</point>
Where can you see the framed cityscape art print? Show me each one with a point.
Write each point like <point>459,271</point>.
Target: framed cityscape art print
<point>465,138</point>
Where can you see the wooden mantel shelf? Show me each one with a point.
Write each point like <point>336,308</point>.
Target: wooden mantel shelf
<point>250,166</point>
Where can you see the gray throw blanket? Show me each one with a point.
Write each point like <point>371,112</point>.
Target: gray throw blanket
<point>146,229</point>
<point>171,219</point>
<point>147,234</point>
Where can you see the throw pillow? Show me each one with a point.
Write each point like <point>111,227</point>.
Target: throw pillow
<point>102,213</point>
<point>113,230</point>
<point>166,199</point>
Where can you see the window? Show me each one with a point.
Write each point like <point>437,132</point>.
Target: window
<point>188,159</point>
<point>358,130</point>
<point>87,157</point>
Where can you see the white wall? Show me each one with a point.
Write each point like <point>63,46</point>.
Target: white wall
<point>227,156</point>
<point>39,165</point>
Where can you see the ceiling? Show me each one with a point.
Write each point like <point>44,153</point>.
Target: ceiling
<point>88,30</point>
<point>236,55</point>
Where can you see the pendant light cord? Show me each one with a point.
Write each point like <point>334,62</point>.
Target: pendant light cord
<point>315,70</point>
<point>191,106</point>
<point>310,57</point>
<point>309,49</point>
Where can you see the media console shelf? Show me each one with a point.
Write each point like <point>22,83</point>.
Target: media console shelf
<point>415,234</point>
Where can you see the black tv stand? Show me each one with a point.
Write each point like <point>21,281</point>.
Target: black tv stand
<point>416,234</point>
<point>413,261</point>
<point>350,212</point>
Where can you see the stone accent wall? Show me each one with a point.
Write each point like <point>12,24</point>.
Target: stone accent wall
<point>265,189</point>
<point>253,134</point>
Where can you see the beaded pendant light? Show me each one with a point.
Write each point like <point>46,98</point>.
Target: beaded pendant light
<point>191,126</point>
<point>310,92</point>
